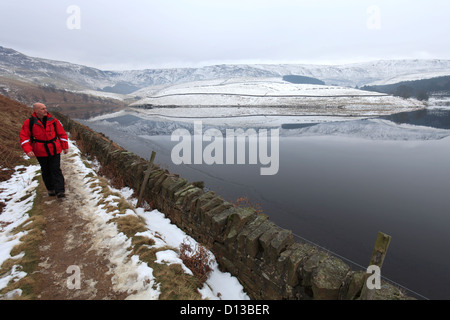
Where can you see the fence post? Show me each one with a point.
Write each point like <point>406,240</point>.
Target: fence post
<point>146,176</point>
<point>377,259</point>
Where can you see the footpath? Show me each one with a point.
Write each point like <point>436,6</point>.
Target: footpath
<point>96,245</point>
<point>73,265</point>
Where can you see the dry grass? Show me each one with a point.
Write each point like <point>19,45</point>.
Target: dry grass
<point>197,259</point>
<point>174,283</point>
<point>13,116</point>
<point>129,225</point>
<point>75,105</point>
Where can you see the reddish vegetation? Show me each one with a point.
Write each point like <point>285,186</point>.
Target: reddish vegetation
<point>75,105</point>
<point>13,114</point>
<point>197,259</point>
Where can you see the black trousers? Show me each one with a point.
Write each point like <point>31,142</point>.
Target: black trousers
<point>51,173</point>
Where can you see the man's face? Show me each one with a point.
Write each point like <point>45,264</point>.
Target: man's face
<point>40,110</point>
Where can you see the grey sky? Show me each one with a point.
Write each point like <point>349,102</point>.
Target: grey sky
<point>137,34</point>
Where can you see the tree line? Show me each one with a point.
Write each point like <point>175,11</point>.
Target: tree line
<point>419,89</point>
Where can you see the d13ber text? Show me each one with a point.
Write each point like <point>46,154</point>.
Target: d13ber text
<point>258,309</point>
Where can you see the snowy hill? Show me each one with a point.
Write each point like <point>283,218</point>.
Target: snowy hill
<point>62,75</point>
<point>70,76</point>
<point>359,74</point>
<point>270,96</point>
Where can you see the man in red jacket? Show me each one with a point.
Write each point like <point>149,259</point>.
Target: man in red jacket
<point>43,137</point>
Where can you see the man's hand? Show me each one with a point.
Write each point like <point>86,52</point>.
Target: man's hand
<point>30,154</point>
<point>66,151</point>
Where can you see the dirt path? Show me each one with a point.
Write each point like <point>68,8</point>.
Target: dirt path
<point>69,247</point>
<point>94,244</point>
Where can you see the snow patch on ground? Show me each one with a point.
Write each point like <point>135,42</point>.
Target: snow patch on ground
<point>18,194</point>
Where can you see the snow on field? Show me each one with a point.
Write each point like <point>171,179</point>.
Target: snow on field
<point>282,97</point>
<point>257,87</point>
<point>18,194</point>
<point>411,77</point>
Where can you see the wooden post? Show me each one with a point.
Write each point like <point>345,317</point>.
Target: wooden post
<point>379,252</point>
<point>146,176</point>
<point>377,259</point>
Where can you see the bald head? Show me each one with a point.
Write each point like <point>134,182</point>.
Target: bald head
<point>40,109</point>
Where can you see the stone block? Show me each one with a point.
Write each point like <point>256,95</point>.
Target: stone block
<point>219,222</point>
<point>279,243</point>
<point>210,205</point>
<point>188,196</point>
<point>266,238</point>
<point>252,246</point>
<point>200,201</point>
<point>180,194</point>
<point>210,214</point>
<point>165,185</point>
<point>177,184</point>
<point>235,223</point>
<point>306,270</point>
<point>269,289</point>
<point>158,181</point>
<point>153,177</point>
<point>296,254</point>
<point>248,228</point>
<point>328,278</point>
<point>240,216</point>
<point>353,285</point>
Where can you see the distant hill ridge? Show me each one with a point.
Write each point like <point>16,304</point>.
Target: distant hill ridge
<point>65,75</point>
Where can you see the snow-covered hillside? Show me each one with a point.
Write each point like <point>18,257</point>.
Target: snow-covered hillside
<point>366,73</point>
<point>412,77</point>
<point>65,75</point>
<point>271,96</point>
<point>256,87</point>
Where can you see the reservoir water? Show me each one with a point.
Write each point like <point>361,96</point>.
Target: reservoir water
<point>338,184</point>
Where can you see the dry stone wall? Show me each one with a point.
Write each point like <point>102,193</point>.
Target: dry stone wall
<point>264,257</point>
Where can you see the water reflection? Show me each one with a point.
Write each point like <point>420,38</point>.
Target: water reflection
<point>435,118</point>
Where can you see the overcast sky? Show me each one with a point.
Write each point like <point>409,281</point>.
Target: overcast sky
<point>138,34</point>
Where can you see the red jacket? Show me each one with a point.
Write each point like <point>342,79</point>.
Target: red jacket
<point>46,141</point>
